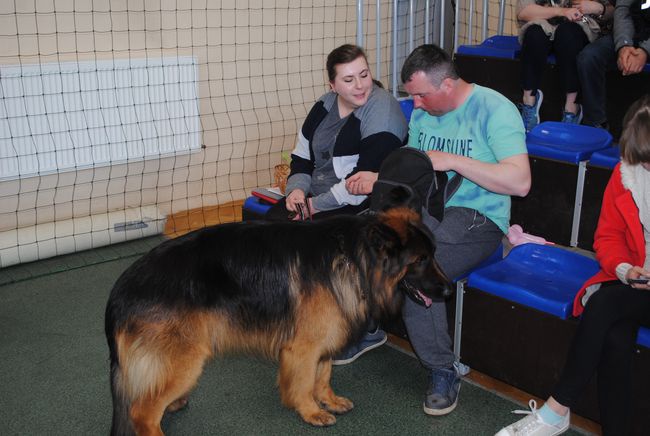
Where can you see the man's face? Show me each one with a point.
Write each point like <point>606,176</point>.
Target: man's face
<point>431,99</point>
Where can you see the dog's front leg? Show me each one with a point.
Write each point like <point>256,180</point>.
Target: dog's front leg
<point>323,390</point>
<point>296,379</point>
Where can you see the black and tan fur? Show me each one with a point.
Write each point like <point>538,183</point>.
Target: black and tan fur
<point>295,292</point>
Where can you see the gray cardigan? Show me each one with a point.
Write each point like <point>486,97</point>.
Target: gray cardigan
<point>625,31</point>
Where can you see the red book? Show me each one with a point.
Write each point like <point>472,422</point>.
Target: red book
<point>270,195</point>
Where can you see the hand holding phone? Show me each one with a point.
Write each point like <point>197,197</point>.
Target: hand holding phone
<point>640,280</point>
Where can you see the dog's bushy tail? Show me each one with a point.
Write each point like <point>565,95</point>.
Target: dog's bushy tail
<point>121,424</point>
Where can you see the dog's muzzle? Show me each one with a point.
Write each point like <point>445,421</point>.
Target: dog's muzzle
<point>415,294</point>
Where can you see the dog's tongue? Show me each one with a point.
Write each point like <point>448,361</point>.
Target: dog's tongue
<point>427,301</point>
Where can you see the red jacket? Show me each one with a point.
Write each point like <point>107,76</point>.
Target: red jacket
<point>619,235</point>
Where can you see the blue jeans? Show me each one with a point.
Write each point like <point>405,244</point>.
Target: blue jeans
<point>463,239</point>
<point>594,61</point>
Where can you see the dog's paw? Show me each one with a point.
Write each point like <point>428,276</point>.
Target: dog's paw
<point>338,405</point>
<point>320,419</point>
<point>178,404</point>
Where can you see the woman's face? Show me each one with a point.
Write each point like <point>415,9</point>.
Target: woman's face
<point>353,83</point>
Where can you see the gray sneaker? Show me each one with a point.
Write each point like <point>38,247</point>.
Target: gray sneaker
<point>442,395</point>
<point>370,341</point>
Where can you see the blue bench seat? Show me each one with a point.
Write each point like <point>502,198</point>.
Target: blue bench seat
<point>643,338</point>
<point>497,46</point>
<point>543,277</point>
<point>254,208</point>
<point>569,144</point>
<point>565,142</point>
<point>606,158</point>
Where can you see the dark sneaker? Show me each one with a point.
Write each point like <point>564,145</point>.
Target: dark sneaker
<point>530,113</point>
<point>370,341</point>
<point>571,118</point>
<point>442,395</point>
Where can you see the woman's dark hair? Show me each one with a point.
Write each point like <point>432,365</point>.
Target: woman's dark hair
<point>635,139</point>
<point>342,55</point>
<point>433,61</point>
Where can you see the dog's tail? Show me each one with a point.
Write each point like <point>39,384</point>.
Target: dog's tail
<point>121,425</point>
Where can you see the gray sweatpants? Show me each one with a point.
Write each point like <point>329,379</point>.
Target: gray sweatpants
<point>463,239</point>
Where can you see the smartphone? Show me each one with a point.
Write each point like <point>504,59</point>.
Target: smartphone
<point>641,280</point>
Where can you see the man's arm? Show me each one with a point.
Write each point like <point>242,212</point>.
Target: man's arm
<point>623,25</point>
<point>510,176</point>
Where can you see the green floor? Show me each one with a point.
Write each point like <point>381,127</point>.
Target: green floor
<point>54,370</point>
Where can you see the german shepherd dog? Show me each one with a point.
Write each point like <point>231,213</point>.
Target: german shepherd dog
<point>297,292</point>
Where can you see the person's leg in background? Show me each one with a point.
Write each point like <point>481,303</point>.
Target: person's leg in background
<point>569,40</point>
<point>594,61</point>
<point>535,48</point>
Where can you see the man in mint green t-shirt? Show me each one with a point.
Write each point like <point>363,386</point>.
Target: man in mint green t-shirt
<point>477,133</point>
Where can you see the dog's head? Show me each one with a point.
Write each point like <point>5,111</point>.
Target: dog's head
<point>410,258</point>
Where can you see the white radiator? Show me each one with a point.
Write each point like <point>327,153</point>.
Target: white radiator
<point>74,115</point>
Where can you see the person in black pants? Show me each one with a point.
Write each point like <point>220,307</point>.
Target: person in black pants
<point>614,302</point>
<point>561,28</point>
<point>626,50</point>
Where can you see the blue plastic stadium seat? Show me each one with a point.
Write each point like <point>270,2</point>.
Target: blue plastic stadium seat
<point>566,142</point>
<point>497,46</point>
<point>606,158</point>
<point>643,338</point>
<point>255,207</point>
<point>407,107</point>
<point>543,277</point>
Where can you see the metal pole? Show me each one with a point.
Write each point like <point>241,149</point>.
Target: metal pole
<point>427,15</point>
<point>470,23</point>
<point>442,24</point>
<point>394,49</point>
<point>411,25</point>
<point>502,15</point>
<point>378,40</point>
<point>485,19</point>
<point>360,23</point>
<point>456,24</point>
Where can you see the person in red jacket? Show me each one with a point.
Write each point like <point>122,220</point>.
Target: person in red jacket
<point>614,302</point>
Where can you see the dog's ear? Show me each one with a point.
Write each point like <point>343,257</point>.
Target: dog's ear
<point>385,246</point>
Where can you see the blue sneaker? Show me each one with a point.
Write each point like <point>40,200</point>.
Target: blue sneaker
<point>442,395</point>
<point>369,342</point>
<point>571,118</point>
<point>530,114</point>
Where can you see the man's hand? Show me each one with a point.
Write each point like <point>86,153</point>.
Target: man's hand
<point>361,183</point>
<point>631,60</point>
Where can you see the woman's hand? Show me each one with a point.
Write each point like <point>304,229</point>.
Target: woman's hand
<point>361,183</point>
<point>636,272</point>
<point>588,7</point>
<point>295,197</point>
<point>572,14</point>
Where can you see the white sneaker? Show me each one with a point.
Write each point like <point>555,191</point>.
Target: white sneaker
<point>533,425</point>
